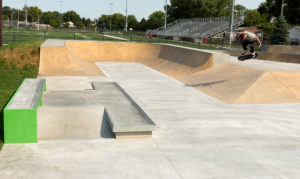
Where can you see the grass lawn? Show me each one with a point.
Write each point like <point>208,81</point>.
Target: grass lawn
<point>17,61</point>
<point>21,35</point>
<point>144,39</point>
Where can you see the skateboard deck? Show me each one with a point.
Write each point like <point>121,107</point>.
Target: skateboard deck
<point>247,57</point>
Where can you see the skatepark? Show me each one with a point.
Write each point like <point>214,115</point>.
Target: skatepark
<point>134,110</point>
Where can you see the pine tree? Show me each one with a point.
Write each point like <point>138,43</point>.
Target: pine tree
<point>280,32</point>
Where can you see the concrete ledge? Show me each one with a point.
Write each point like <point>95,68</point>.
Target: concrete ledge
<point>20,114</point>
<point>133,135</point>
<point>126,118</point>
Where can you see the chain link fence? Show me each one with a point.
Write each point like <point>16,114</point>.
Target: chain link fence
<point>14,34</point>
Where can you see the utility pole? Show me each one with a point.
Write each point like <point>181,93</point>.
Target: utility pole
<point>111,4</point>
<point>61,15</point>
<point>166,14</point>
<point>282,5</point>
<point>12,18</point>
<point>126,25</point>
<point>18,25</point>
<point>38,19</point>
<point>26,18</point>
<point>1,35</point>
<point>231,21</point>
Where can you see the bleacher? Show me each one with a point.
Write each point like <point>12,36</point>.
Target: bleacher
<point>198,27</point>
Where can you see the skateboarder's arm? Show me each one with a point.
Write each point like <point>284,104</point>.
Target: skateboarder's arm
<point>257,39</point>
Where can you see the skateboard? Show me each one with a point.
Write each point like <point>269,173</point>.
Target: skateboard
<point>247,57</point>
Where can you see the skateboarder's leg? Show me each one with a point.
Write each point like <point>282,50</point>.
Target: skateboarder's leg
<point>245,44</point>
<point>252,48</point>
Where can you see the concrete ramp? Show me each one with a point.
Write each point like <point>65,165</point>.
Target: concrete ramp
<point>58,61</point>
<point>77,58</point>
<point>237,84</point>
<point>216,74</point>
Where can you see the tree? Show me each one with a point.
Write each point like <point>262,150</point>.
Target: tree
<point>34,14</point>
<point>48,16</point>
<point>268,29</point>
<point>143,25</point>
<point>55,22</point>
<point>272,8</point>
<point>156,19</point>
<point>66,25</point>
<point>6,13</point>
<point>132,22</point>
<point>118,21</point>
<point>79,24</point>
<point>269,8</point>
<point>71,16</point>
<point>105,19</point>
<point>280,32</point>
<point>239,10</point>
<point>88,23</point>
<point>180,9</point>
<point>292,12</point>
<point>252,18</point>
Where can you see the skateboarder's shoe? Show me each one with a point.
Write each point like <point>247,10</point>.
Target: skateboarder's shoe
<point>253,55</point>
<point>244,53</point>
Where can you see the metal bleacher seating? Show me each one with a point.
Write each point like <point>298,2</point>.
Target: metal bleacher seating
<point>198,27</point>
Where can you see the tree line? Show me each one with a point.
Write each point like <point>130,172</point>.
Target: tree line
<point>55,19</point>
<point>263,17</point>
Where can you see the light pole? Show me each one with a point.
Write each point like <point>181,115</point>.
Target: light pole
<point>12,18</point>
<point>166,14</point>
<point>61,15</point>
<point>126,25</point>
<point>26,14</point>
<point>1,35</point>
<point>282,5</point>
<point>18,25</point>
<point>231,22</point>
<point>111,4</point>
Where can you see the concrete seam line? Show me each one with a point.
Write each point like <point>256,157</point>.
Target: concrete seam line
<point>168,159</point>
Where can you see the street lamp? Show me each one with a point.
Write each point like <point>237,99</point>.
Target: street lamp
<point>126,25</point>
<point>1,36</point>
<point>26,13</point>
<point>166,14</point>
<point>111,4</point>
<point>61,15</point>
<point>231,21</point>
<point>282,5</point>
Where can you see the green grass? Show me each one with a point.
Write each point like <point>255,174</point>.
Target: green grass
<point>144,39</point>
<point>21,35</point>
<point>11,76</point>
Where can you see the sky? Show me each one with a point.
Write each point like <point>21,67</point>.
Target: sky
<point>95,8</point>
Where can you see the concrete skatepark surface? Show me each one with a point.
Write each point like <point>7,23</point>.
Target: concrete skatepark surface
<point>231,83</point>
<point>197,136</point>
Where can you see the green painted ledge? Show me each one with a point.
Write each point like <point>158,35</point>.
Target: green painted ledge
<point>20,125</point>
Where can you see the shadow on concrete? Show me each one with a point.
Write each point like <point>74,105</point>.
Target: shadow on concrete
<point>105,131</point>
<point>205,84</point>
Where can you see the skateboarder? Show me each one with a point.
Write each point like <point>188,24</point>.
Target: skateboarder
<point>249,38</point>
